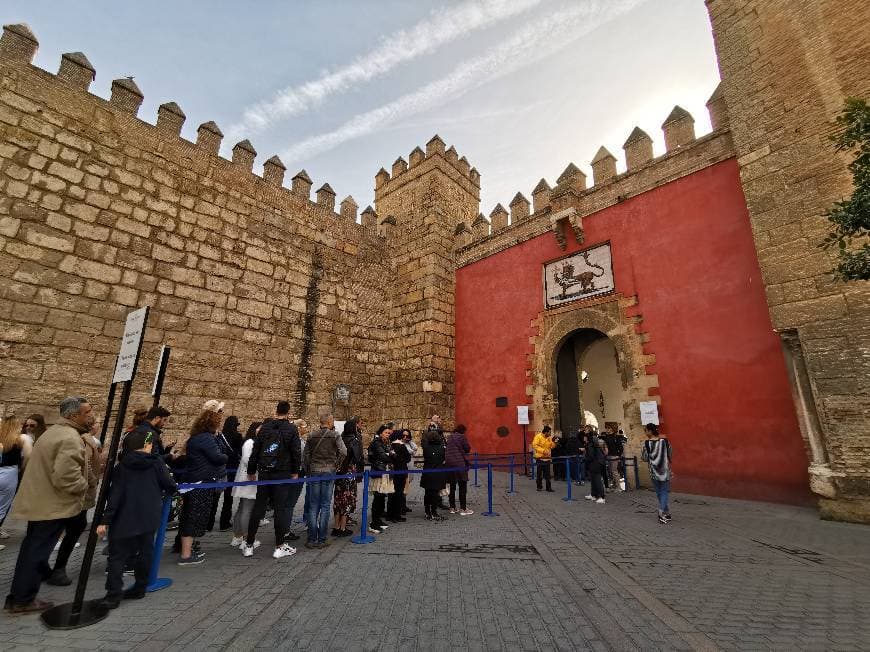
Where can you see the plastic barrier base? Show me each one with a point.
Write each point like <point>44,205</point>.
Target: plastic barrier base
<point>159,583</point>
<point>62,617</point>
<point>363,538</point>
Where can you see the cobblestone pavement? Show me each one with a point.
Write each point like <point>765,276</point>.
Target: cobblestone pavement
<point>543,574</point>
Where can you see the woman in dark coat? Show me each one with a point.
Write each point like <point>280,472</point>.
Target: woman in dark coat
<point>457,452</point>
<point>401,456</point>
<point>380,458</point>
<point>432,483</point>
<point>205,463</point>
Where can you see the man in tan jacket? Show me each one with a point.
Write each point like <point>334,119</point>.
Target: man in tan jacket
<point>52,491</point>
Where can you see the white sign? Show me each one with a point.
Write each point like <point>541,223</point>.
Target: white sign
<point>582,275</point>
<point>649,412</point>
<point>339,426</point>
<point>523,415</point>
<point>133,331</point>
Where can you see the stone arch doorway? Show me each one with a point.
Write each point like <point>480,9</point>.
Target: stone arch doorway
<point>614,321</point>
<point>588,382</point>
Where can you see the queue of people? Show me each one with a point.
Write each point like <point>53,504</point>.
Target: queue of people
<point>65,461</point>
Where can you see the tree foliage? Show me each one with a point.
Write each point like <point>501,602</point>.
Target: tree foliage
<point>851,217</point>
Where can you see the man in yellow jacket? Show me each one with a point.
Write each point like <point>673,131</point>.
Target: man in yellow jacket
<point>542,445</point>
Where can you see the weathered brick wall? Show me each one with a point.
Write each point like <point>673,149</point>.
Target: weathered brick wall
<point>419,207</point>
<point>786,69</point>
<point>262,293</point>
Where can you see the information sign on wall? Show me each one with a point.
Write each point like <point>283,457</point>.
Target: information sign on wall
<point>132,338</point>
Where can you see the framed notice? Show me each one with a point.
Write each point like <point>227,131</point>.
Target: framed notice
<point>134,328</point>
<point>582,275</point>
<point>649,412</point>
<point>523,415</point>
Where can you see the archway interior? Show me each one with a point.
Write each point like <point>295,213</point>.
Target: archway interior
<point>588,381</point>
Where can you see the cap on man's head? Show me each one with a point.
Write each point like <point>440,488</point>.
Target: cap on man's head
<point>137,439</point>
<point>213,405</point>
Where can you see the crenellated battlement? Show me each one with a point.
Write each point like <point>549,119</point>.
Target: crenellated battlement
<point>571,186</point>
<point>18,46</point>
<point>436,156</point>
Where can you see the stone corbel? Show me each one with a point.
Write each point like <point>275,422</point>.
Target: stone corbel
<point>564,219</point>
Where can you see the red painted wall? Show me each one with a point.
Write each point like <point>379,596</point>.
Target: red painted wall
<point>686,250</point>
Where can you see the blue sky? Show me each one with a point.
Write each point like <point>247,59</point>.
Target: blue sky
<point>341,88</point>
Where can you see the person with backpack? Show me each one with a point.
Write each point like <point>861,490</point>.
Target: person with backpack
<point>596,458</point>
<point>323,452</point>
<point>456,457</point>
<point>132,516</point>
<point>276,455</point>
<point>657,453</point>
<point>401,457</point>
<point>229,440</point>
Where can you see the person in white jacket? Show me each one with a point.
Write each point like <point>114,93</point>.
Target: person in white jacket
<point>245,495</point>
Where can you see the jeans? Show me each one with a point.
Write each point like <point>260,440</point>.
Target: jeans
<point>543,473</point>
<point>394,500</point>
<point>598,490</point>
<point>243,515</point>
<point>136,549</point>
<point>293,493</point>
<point>577,465</point>
<point>73,528</point>
<point>613,468</point>
<point>463,493</point>
<point>226,517</point>
<point>278,493</point>
<point>320,503</point>
<point>379,503</point>
<point>663,490</point>
<point>33,557</point>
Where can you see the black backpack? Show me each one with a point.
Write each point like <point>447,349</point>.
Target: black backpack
<point>272,441</point>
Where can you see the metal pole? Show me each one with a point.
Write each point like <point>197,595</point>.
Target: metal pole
<point>110,400</point>
<point>511,491</point>
<point>156,583</point>
<point>476,483</point>
<point>568,482</point>
<point>364,536</point>
<point>525,451</point>
<point>489,511</point>
<point>636,475</point>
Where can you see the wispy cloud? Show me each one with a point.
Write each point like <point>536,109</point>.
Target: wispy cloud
<point>437,29</point>
<point>527,45</point>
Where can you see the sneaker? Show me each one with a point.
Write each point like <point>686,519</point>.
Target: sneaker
<point>465,512</point>
<point>283,551</point>
<point>58,577</point>
<point>551,490</point>
<point>589,497</point>
<point>172,525</point>
<point>264,521</point>
<point>345,533</point>
<point>374,530</point>
<point>247,551</point>
<point>4,534</point>
<point>291,536</point>
<point>237,541</point>
<point>129,570</point>
<point>428,517</point>
<point>600,501</point>
<point>383,526</point>
<point>195,558</point>
<point>325,543</point>
<point>312,545</point>
<point>2,547</point>
<point>452,510</point>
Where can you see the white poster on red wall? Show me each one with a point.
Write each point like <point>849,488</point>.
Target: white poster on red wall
<point>582,275</point>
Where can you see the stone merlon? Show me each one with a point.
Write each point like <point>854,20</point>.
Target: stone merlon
<point>76,70</point>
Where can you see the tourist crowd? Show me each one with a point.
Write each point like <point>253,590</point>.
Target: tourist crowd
<point>270,464</point>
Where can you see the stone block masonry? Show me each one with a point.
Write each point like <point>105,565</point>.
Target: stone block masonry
<point>262,293</point>
<point>787,68</point>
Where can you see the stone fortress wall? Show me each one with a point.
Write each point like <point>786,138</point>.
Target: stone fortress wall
<point>262,293</point>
